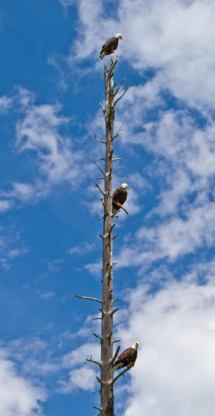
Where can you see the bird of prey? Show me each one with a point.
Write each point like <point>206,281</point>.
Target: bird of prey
<point>119,196</point>
<point>127,358</point>
<point>110,46</point>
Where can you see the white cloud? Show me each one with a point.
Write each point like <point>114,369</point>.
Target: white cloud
<point>175,38</point>
<point>183,167</point>
<point>178,48</point>
<point>57,160</point>
<point>176,137</point>
<point>178,38</point>
<point>179,236</point>
<point>20,191</point>
<point>24,97</point>
<point>82,249</point>
<point>11,246</point>
<point>170,239</point>
<point>94,268</point>
<point>55,266</point>
<point>93,200</point>
<point>5,103</point>
<point>138,182</point>
<point>131,204</point>
<point>23,191</point>
<point>89,30</point>
<point>5,205</point>
<point>18,395</point>
<point>35,359</point>
<point>83,332</point>
<point>175,367</point>
<point>16,252</point>
<point>41,131</point>
<point>82,378</point>
<point>66,3</point>
<point>79,356</point>
<point>47,295</point>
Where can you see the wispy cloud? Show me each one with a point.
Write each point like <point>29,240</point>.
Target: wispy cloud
<point>174,372</point>
<point>20,191</point>
<point>34,357</point>
<point>94,268</point>
<point>172,239</point>
<point>11,246</point>
<point>5,205</point>
<point>66,3</point>
<point>5,103</point>
<point>41,130</point>
<point>47,295</point>
<point>38,132</point>
<point>173,50</point>
<point>82,249</point>
<point>79,355</point>
<point>182,217</point>
<point>55,265</point>
<point>18,394</point>
<point>82,377</point>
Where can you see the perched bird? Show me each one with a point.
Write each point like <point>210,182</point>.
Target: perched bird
<point>120,196</point>
<point>110,46</point>
<point>127,358</point>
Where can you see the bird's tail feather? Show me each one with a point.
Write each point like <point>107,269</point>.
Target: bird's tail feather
<point>115,208</point>
<point>102,55</point>
<point>117,366</point>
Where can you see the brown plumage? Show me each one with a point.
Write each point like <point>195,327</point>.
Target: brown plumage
<point>110,46</point>
<point>127,358</point>
<point>120,196</point>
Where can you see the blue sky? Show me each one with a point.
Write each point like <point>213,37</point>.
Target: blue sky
<point>50,88</point>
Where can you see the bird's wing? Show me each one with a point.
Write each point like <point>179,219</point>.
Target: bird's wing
<point>108,44</point>
<point>116,194</point>
<point>124,354</point>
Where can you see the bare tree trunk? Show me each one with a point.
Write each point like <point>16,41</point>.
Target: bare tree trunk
<point>107,396</point>
<point>107,382</point>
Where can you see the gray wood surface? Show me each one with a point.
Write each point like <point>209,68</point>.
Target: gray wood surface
<point>107,396</point>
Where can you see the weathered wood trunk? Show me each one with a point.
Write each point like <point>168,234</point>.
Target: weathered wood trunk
<point>107,396</point>
<point>106,379</point>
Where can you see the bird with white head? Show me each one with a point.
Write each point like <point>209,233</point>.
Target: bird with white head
<point>110,46</point>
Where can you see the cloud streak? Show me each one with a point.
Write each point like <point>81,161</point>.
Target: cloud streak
<point>174,372</point>
<point>174,38</point>
<point>18,395</point>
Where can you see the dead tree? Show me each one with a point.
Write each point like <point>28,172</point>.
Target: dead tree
<point>107,309</point>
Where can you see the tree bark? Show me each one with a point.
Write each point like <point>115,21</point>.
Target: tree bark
<point>107,396</point>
